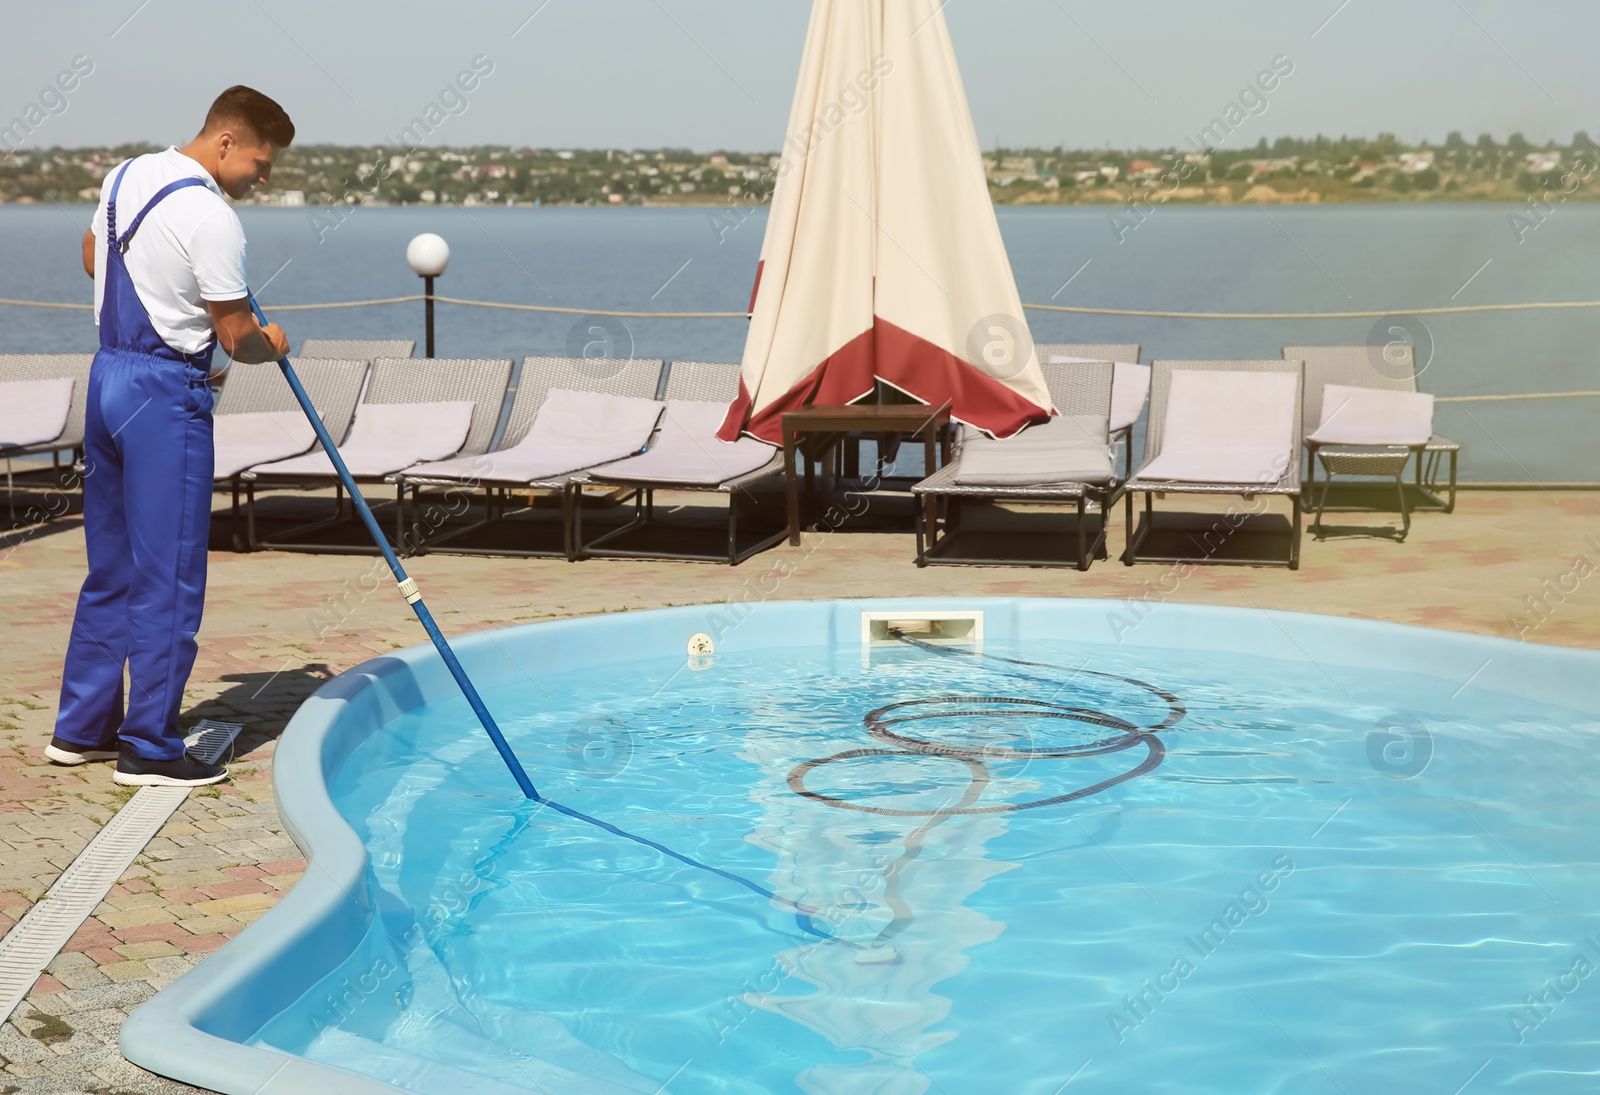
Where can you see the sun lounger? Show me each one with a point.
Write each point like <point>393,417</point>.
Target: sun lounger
<point>257,419</point>
<point>33,413</point>
<point>35,367</point>
<point>358,349</point>
<point>414,410</point>
<point>29,435</point>
<point>1218,428</point>
<point>1130,386</point>
<point>1065,461</point>
<point>257,411</point>
<point>1391,367</point>
<point>685,455</point>
<point>574,430</point>
<point>258,437</point>
<point>334,386</point>
<point>568,414</point>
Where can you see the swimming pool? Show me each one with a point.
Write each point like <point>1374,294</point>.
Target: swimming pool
<point>1233,851</point>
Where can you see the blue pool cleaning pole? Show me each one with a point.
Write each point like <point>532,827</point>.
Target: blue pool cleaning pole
<point>408,587</point>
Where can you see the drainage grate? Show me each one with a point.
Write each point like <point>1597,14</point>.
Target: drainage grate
<point>40,935</point>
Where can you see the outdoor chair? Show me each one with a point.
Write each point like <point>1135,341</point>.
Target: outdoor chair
<point>1065,461</point>
<point>685,455</point>
<point>1218,428</point>
<point>1130,386</point>
<point>1369,432</point>
<point>257,419</point>
<point>358,349</point>
<point>567,414</point>
<point>1391,367</point>
<point>414,410</point>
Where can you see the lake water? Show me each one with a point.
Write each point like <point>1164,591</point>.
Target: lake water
<point>1233,259</point>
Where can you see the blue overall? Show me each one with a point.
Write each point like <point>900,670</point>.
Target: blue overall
<point>146,517</point>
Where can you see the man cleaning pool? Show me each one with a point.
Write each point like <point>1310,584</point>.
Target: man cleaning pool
<point>167,254</point>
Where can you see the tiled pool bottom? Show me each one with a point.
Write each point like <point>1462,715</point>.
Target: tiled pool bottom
<point>1341,868</point>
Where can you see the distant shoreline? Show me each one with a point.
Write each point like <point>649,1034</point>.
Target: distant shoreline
<point>329,179</point>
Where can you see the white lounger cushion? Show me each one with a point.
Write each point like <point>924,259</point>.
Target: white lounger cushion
<point>1066,449</point>
<point>688,451</point>
<point>1130,387</point>
<point>33,411</point>
<point>387,437</point>
<point>258,437</point>
<point>1373,416</point>
<point>1226,427</point>
<point>572,431</point>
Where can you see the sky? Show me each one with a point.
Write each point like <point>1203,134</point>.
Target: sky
<point>718,74</point>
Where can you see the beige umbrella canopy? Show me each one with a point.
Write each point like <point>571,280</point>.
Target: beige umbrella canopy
<point>882,258</point>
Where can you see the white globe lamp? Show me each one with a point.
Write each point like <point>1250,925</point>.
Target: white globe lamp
<point>428,255</point>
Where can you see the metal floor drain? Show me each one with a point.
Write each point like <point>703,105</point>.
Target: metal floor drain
<point>39,936</point>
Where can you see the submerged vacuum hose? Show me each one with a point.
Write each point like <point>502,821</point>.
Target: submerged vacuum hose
<point>887,725</point>
<point>883,724</point>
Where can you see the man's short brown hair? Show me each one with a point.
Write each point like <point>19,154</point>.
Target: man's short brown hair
<point>247,107</point>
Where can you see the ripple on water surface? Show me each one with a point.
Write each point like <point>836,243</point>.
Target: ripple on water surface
<point>1291,878</point>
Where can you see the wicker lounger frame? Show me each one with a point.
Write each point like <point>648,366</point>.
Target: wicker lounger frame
<point>1075,388</point>
<point>358,349</point>
<point>1287,484</point>
<point>1366,460</point>
<point>483,381</point>
<point>1358,367</point>
<point>334,386</point>
<point>697,380</point>
<point>1097,351</point>
<point>644,517</point>
<point>638,377</point>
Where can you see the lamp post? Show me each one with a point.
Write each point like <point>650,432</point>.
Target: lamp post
<point>428,255</point>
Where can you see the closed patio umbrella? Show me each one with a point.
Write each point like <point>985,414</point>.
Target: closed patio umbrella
<point>882,258</point>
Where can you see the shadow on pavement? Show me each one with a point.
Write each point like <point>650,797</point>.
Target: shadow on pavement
<point>263,702</point>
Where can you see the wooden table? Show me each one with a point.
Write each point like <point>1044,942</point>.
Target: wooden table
<point>915,420</point>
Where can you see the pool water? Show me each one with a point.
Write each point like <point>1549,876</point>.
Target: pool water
<point>1314,879</point>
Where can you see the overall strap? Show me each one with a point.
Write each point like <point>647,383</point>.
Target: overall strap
<point>111,206</point>
<point>123,240</point>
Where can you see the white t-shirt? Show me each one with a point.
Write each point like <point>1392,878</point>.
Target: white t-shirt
<point>190,248</point>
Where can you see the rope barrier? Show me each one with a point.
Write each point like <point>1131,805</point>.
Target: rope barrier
<point>43,304</point>
<point>441,300</point>
<point>1546,304</point>
<point>549,308</point>
<point>345,304</point>
<point>591,311</point>
<point>1138,312</point>
<point>1515,395</point>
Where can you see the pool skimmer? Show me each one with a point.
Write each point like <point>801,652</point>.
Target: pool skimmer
<point>955,629</point>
